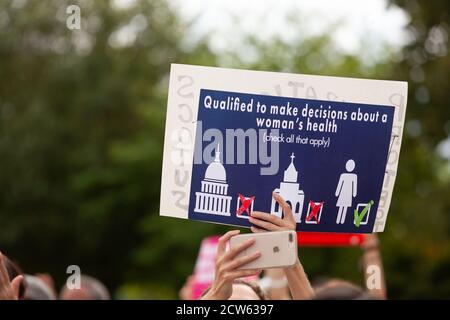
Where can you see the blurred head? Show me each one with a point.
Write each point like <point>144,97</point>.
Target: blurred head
<point>90,289</point>
<point>336,289</point>
<point>36,289</point>
<point>243,290</point>
<point>14,271</point>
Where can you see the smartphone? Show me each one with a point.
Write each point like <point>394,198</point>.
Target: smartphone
<point>277,248</point>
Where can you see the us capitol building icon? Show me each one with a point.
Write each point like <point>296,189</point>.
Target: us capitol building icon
<point>213,198</point>
<point>290,191</point>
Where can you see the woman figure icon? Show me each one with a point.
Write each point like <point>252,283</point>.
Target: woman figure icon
<point>346,190</point>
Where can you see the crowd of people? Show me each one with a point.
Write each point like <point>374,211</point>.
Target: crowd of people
<point>15,285</point>
<point>230,281</point>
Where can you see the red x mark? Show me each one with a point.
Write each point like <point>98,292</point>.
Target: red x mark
<point>315,208</point>
<point>245,204</point>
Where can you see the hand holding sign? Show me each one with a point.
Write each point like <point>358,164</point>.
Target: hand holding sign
<point>270,222</point>
<point>297,279</point>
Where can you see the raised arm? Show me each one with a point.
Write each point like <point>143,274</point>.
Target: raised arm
<point>298,281</point>
<point>373,267</point>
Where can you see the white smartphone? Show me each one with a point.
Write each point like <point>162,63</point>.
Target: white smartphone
<point>277,248</point>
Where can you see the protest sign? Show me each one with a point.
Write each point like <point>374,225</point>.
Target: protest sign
<point>329,146</point>
<point>329,239</point>
<point>204,266</point>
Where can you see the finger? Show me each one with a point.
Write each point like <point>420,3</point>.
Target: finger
<point>257,230</point>
<point>236,263</point>
<point>243,273</point>
<point>285,206</point>
<point>238,249</point>
<point>265,225</point>
<point>268,217</point>
<point>15,285</point>
<point>222,245</point>
<point>4,278</point>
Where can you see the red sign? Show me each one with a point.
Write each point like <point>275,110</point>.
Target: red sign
<point>325,239</point>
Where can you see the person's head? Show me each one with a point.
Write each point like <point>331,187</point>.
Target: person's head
<point>90,289</point>
<point>36,289</point>
<point>14,271</point>
<point>336,289</point>
<point>243,290</point>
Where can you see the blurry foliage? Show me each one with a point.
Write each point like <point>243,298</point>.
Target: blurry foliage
<point>82,118</point>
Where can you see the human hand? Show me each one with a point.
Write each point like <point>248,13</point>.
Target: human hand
<point>226,270</point>
<point>9,290</point>
<point>269,222</point>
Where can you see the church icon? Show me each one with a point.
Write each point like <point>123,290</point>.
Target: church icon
<point>213,198</point>
<point>290,191</point>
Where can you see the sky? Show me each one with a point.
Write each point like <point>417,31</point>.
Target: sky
<point>359,27</point>
<point>352,21</point>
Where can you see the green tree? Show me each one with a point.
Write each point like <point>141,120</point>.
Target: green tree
<point>417,244</point>
<point>81,130</point>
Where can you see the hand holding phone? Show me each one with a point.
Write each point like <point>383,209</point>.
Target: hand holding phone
<point>228,264</point>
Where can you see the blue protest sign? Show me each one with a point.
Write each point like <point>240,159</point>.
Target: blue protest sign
<point>331,160</point>
<point>230,145</point>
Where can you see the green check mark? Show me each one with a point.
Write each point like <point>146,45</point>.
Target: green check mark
<point>359,217</point>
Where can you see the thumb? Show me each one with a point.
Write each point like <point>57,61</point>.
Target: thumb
<point>15,286</point>
<point>288,215</point>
